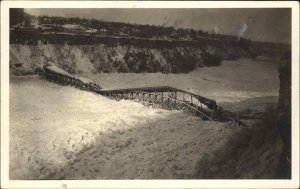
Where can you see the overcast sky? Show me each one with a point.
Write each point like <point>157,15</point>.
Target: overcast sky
<point>270,24</point>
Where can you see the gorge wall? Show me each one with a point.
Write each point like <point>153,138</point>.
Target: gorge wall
<point>97,58</point>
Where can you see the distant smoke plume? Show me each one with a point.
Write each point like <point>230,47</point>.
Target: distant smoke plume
<point>178,23</point>
<point>242,29</point>
<point>216,30</point>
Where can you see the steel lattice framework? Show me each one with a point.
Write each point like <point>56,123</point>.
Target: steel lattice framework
<point>162,96</point>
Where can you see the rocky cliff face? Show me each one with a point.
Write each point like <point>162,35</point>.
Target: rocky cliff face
<point>284,103</point>
<point>284,117</point>
<point>25,59</point>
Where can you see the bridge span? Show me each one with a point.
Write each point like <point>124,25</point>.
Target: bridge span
<point>165,97</point>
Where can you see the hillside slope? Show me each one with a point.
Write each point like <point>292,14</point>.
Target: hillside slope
<point>99,58</point>
<point>102,58</point>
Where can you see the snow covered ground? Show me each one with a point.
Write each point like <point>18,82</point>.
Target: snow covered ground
<point>59,132</point>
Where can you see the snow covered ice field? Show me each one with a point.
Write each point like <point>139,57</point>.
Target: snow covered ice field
<point>59,132</point>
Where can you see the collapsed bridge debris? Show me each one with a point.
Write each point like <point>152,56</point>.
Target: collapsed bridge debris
<point>54,73</point>
<point>165,97</point>
<point>168,98</point>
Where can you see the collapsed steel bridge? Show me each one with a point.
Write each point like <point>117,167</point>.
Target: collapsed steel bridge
<point>162,96</point>
<point>168,98</point>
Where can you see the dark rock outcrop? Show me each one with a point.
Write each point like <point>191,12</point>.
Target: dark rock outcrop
<point>284,117</point>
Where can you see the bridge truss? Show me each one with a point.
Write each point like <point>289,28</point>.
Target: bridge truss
<point>162,96</point>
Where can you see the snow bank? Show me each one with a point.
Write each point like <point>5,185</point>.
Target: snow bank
<point>59,132</point>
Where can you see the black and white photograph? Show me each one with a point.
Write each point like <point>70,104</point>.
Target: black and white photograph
<point>170,93</point>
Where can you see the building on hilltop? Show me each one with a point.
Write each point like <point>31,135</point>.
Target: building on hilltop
<point>74,28</point>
